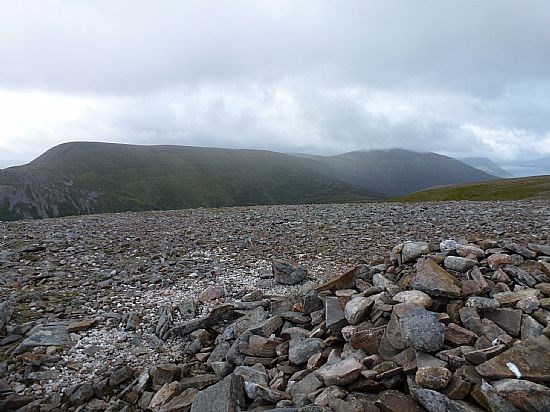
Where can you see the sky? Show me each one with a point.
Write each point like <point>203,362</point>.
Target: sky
<point>458,77</point>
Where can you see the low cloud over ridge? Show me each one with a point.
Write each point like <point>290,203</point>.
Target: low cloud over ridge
<point>459,78</point>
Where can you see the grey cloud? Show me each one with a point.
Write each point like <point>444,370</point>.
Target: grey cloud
<point>462,78</point>
<point>133,46</point>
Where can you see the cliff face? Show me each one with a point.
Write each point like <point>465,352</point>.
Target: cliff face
<point>27,194</point>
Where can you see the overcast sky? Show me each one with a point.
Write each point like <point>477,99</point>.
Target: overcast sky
<point>457,77</point>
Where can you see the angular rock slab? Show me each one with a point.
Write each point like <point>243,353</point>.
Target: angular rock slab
<point>413,250</point>
<point>217,314</point>
<point>434,280</point>
<point>530,358</point>
<point>414,296</point>
<point>490,399</point>
<point>345,281</point>
<point>525,395</point>
<point>301,349</point>
<point>357,308</point>
<point>52,334</point>
<point>340,372</point>
<point>459,264</point>
<point>6,311</point>
<point>335,318</point>
<point>435,401</point>
<point>224,396</point>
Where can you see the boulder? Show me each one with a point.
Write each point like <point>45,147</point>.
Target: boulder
<point>340,371</point>
<point>51,334</point>
<point>434,280</point>
<point>286,273</point>
<point>357,308</point>
<point>528,359</point>
<point>459,264</point>
<point>301,349</point>
<point>433,377</point>
<point>415,297</point>
<point>413,250</point>
<point>422,330</point>
<point>526,396</point>
<point>226,395</point>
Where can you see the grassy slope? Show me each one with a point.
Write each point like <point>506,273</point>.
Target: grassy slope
<point>505,189</point>
<point>165,177</point>
<point>397,172</point>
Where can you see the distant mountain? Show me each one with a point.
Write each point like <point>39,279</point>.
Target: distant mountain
<point>534,187</point>
<point>533,167</point>
<point>486,165</point>
<point>86,177</point>
<point>395,172</point>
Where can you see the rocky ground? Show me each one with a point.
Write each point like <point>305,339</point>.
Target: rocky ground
<point>93,307</point>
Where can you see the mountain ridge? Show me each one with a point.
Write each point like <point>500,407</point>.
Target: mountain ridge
<point>487,165</point>
<point>92,177</point>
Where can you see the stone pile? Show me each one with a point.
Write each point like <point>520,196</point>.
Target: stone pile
<point>454,326</point>
<point>188,309</point>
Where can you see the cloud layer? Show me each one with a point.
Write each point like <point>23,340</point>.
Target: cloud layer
<point>460,78</point>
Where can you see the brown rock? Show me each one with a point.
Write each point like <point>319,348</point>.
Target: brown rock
<point>482,355</point>
<point>507,319</point>
<point>81,325</point>
<point>470,319</point>
<point>512,298</point>
<point>199,382</point>
<point>261,346</point>
<point>492,331</point>
<point>340,371</point>
<point>415,297</point>
<point>498,259</point>
<point>364,336</point>
<point>308,384</point>
<point>270,394</point>
<point>180,403</point>
<point>211,293</point>
<point>393,333</point>
<point>345,281</point>
<point>433,377</point>
<point>478,277</point>
<point>164,373</point>
<point>168,392</point>
<point>392,400</point>
<point>458,336</point>
<point>457,388</point>
<point>329,393</point>
<point>531,358</point>
<point>467,250</point>
<point>487,396</point>
<point>525,395</point>
<point>434,280</point>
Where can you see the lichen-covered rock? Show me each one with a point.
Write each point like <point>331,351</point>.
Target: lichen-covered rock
<point>422,330</point>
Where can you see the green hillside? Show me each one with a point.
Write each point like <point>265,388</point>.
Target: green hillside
<point>397,172</point>
<point>117,177</point>
<point>506,189</point>
<point>88,177</point>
